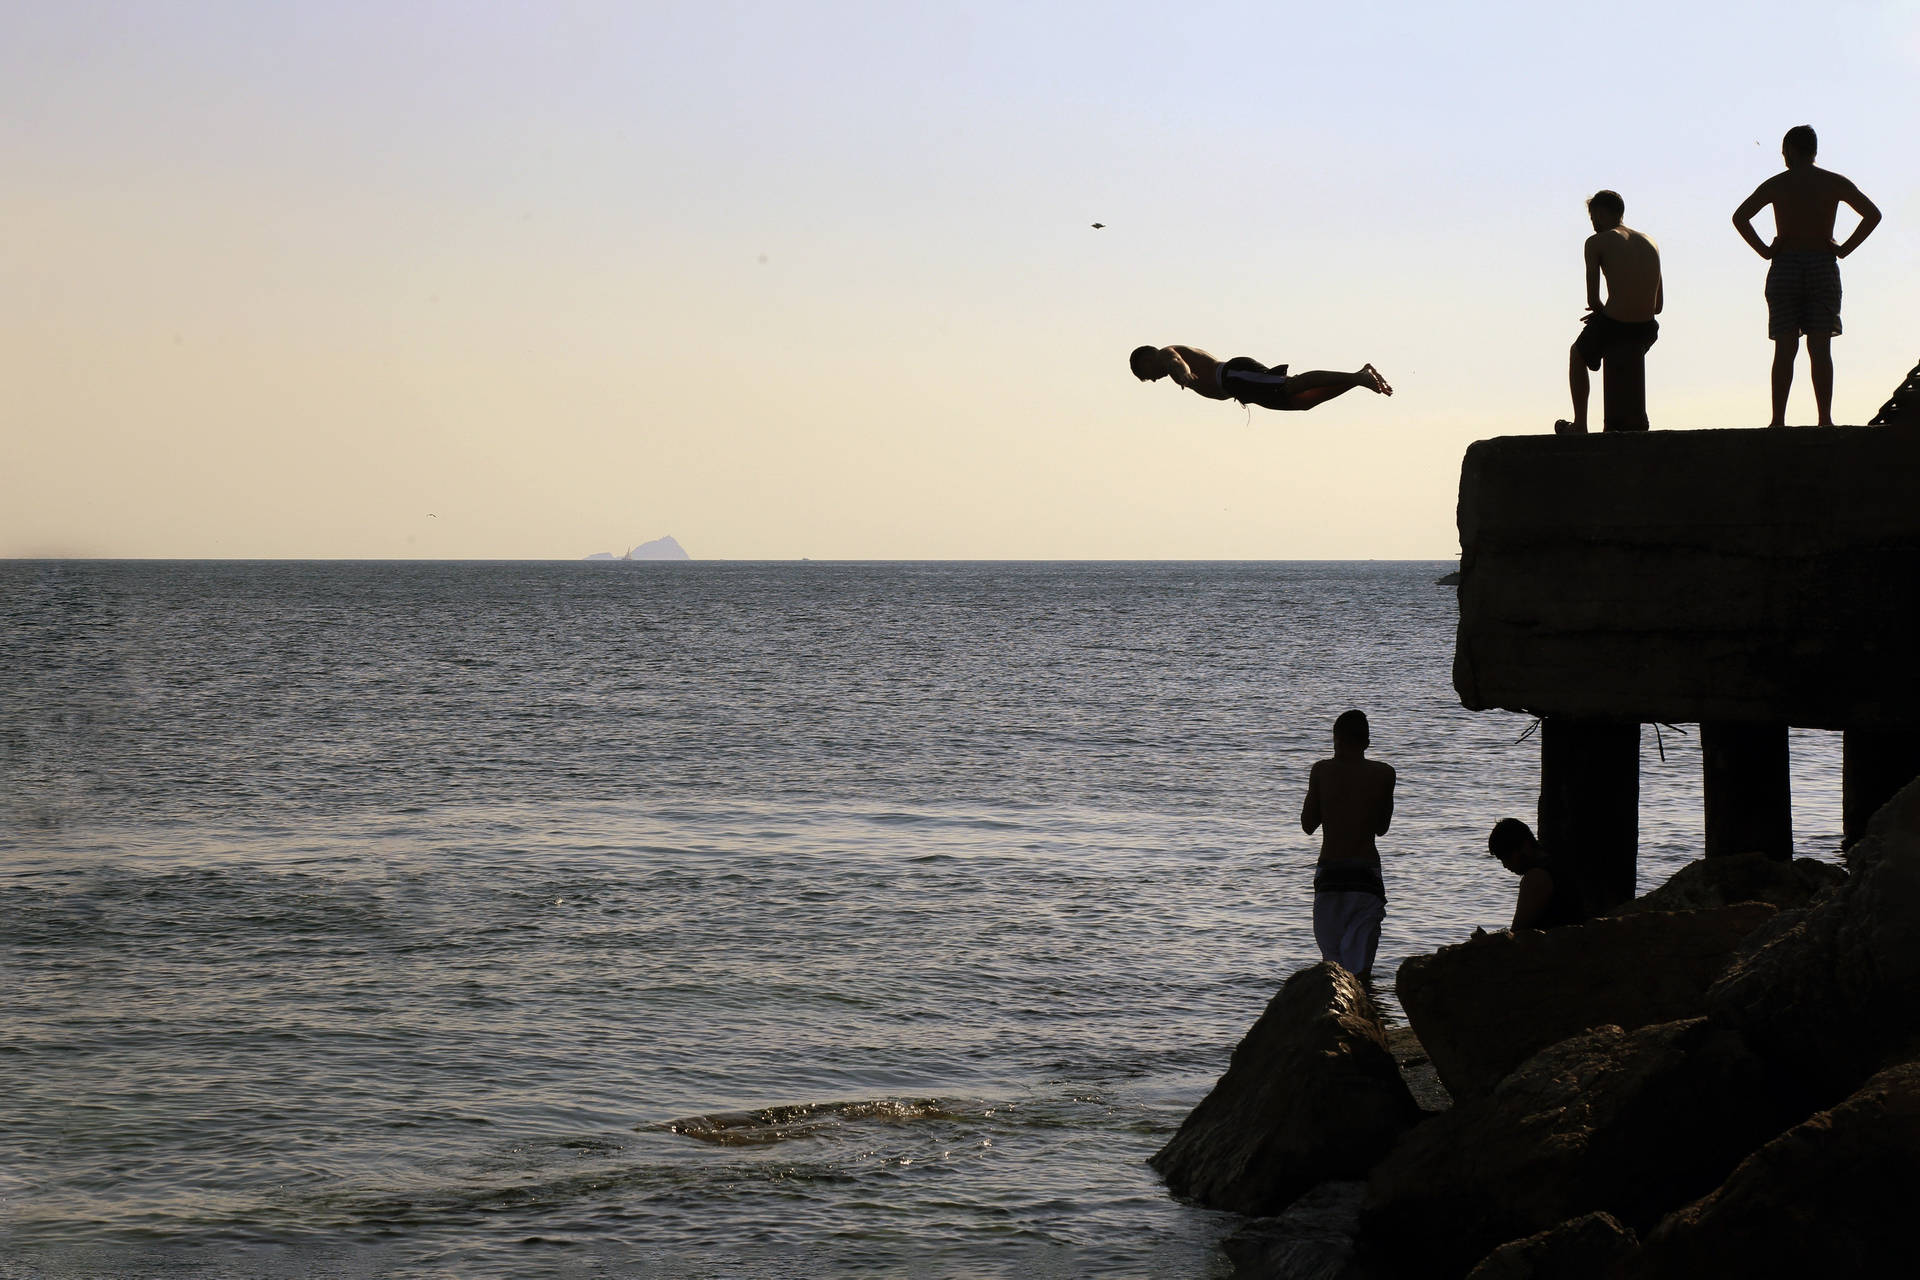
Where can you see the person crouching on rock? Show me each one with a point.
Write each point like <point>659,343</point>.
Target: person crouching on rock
<point>1352,797</point>
<point>1548,895</point>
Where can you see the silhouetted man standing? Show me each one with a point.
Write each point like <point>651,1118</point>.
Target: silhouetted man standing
<point>1353,797</point>
<point>1803,284</point>
<point>1619,330</point>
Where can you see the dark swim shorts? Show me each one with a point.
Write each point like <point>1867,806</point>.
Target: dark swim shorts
<point>1803,295</point>
<point>1250,382</point>
<point>1604,336</point>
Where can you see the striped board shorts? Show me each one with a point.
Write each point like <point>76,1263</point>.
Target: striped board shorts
<point>1803,295</point>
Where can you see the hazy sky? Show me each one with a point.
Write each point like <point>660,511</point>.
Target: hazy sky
<point>787,280</point>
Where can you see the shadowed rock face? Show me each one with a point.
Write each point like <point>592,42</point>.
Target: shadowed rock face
<point>1829,1197</point>
<point>1311,1095</point>
<point>1745,877</point>
<point>1484,1006</point>
<point>1634,1124</point>
<point>1587,1248</point>
<point>1832,995</point>
<point>1311,1240</point>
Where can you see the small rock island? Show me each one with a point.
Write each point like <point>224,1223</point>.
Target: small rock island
<point>658,549</point>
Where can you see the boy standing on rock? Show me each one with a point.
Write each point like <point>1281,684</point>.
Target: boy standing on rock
<point>1352,798</point>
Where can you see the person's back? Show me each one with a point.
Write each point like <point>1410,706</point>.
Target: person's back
<point>1631,263</point>
<point>1806,199</point>
<point>1353,802</point>
<point>1350,801</point>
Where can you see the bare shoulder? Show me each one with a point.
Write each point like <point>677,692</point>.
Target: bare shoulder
<point>1382,770</point>
<point>1838,184</point>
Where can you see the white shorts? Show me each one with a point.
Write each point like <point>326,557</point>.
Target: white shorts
<point>1347,927</point>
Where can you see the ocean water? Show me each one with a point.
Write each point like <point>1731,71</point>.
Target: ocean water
<point>534,919</point>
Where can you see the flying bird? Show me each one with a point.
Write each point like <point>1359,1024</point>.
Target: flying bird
<point>1098,225</point>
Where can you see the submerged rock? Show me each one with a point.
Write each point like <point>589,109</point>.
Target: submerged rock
<point>1311,1094</point>
<point>1589,1247</point>
<point>1484,1006</point>
<point>1745,877</point>
<point>1632,1123</point>
<point>1311,1240</point>
<point>1829,1197</point>
<point>1831,996</point>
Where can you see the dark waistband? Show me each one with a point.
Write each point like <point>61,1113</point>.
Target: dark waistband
<point>1349,876</point>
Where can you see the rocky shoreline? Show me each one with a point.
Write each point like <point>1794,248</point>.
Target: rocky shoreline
<point>1721,1077</point>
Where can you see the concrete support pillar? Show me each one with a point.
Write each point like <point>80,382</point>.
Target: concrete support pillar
<point>1749,795</point>
<point>1590,803</point>
<point>1623,384</point>
<point>1874,765</point>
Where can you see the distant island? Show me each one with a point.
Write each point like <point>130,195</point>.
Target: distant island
<point>659,549</point>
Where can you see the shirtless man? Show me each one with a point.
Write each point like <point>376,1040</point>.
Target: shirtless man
<point>1623,326</point>
<point>1352,797</point>
<point>1247,380</point>
<point>1803,284</point>
<point>1548,896</point>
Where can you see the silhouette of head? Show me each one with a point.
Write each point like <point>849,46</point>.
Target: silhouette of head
<point>1146,364</point>
<point>1800,145</point>
<point>1350,730</point>
<point>1511,840</point>
<point>1606,208</point>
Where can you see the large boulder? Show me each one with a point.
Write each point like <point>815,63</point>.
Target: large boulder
<point>1311,1095</point>
<point>1588,1247</point>
<point>1486,1005</point>
<point>1829,1197</point>
<point>1831,997</point>
<point>1632,1123</point>
<point>1745,877</point>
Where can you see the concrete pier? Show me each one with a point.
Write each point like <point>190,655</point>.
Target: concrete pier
<point>1745,581</point>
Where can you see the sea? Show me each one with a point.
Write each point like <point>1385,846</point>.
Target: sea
<point>530,919</point>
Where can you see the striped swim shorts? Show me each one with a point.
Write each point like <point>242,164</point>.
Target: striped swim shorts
<point>1803,295</point>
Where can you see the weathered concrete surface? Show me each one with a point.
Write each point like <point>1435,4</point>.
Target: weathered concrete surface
<point>1685,576</point>
<point>1484,1006</point>
<point>1633,1123</point>
<point>1833,995</point>
<point>1312,1094</point>
<point>1833,1196</point>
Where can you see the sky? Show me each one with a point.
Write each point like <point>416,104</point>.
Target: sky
<point>486,280</point>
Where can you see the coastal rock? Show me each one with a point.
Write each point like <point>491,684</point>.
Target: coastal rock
<point>1310,1095</point>
<point>1484,1006</point>
<point>1633,1123</point>
<point>1831,996</point>
<point>1830,1197</point>
<point>1589,1247</point>
<point>1311,1240</point>
<point>1746,877</point>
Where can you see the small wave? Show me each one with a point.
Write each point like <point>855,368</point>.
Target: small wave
<point>770,1125</point>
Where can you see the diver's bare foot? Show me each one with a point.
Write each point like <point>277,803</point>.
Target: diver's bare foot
<point>1561,427</point>
<point>1378,383</point>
